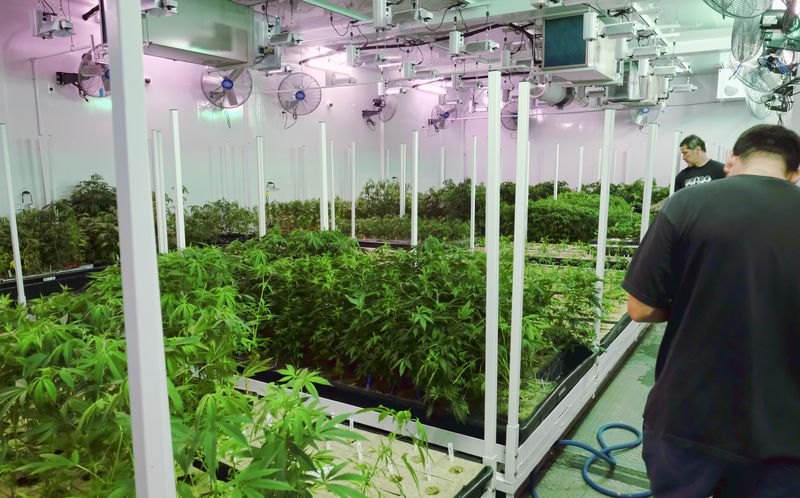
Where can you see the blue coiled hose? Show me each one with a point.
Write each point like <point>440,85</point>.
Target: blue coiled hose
<point>605,454</point>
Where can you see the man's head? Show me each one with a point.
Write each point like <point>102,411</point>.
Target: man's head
<point>770,150</point>
<point>693,151</point>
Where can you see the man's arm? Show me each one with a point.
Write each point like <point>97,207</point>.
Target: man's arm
<point>650,282</point>
<point>644,313</point>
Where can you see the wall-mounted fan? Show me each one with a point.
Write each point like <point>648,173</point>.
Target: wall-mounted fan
<point>383,107</point>
<point>299,94</point>
<point>757,103</point>
<point>643,116</point>
<point>442,116</point>
<point>227,89</point>
<point>747,39</point>
<point>739,8</point>
<point>94,76</point>
<point>509,115</point>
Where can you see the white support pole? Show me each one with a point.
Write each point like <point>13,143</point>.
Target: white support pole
<point>602,229</point>
<point>262,193</point>
<point>676,160</point>
<point>323,163</point>
<point>388,175</point>
<point>518,283</point>
<point>472,193</point>
<point>382,135</point>
<point>719,154</point>
<point>492,269</point>
<point>580,168</point>
<point>158,187</point>
<point>12,215</point>
<point>147,373</point>
<point>180,232</point>
<point>600,164</point>
<point>46,168</point>
<point>614,167</point>
<point>333,191</point>
<point>442,153</point>
<point>353,190</point>
<point>555,180</point>
<point>415,188</point>
<point>652,135</point>
<point>403,159</point>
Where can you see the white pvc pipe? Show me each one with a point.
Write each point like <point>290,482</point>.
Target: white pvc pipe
<point>415,188</point>
<point>323,163</point>
<point>333,191</point>
<point>626,178</point>
<point>403,160</point>
<point>518,282</point>
<point>492,269</point>
<point>652,136</point>
<point>675,160</point>
<point>388,174</point>
<point>47,173</point>
<point>472,193</point>
<point>441,165</point>
<point>262,193</point>
<point>353,190</point>
<point>602,229</point>
<point>163,201</point>
<point>154,465</point>
<point>12,215</point>
<point>180,232</point>
<point>555,181</point>
<point>382,147</point>
<point>158,187</point>
<point>614,167</point>
<point>580,168</point>
<point>600,164</point>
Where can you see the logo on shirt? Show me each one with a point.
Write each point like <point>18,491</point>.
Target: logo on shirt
<point>697,180</point>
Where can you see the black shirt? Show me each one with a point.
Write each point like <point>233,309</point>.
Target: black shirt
<point>691,176</point>
<point>724,257</point>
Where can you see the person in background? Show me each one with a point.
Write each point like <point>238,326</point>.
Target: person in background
<point>700,168</point>
<point>720,265</point>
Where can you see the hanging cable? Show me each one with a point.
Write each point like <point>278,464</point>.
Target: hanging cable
<point>444,14</point>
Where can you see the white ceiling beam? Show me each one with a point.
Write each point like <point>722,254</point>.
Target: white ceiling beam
<point>704,42</point>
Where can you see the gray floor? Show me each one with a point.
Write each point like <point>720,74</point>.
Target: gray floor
<point>623,401</point>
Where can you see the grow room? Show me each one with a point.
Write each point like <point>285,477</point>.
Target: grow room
<point>346,248</point>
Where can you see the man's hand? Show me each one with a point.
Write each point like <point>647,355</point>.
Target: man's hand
<point>644,313</point>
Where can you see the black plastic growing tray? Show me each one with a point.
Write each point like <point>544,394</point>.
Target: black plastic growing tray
<point>50,283</point>
<point>394,244</point>
<point>567,369</point>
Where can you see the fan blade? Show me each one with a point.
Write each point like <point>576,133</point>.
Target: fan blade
<point>232,99</point>
<point>234,75</point>
<point>91,69</point>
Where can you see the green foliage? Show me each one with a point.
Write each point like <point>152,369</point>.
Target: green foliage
<point>406,317</point>
<point>396,228</point>
<point>64,392</point>
<point>49,240</point>
<point>574,217</point>
<point>93,196</point>
<point>217,222</point>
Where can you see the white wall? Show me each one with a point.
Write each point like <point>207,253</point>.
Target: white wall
<point>697,113</point>
<point>218,157</point>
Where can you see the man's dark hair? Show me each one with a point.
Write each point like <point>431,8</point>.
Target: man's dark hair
<point>693,141</point>
<point>770,139</point>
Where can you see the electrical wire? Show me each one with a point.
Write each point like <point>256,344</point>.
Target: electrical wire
<point>461,15</point>
<point>346,29</point>
<point>444,14</point>
<point>366,40</point>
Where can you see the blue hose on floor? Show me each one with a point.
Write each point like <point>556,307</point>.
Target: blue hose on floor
<point>605,454</point>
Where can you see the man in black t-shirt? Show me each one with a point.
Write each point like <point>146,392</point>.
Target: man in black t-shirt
<point>700,168</point>
<point>721,265</point>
